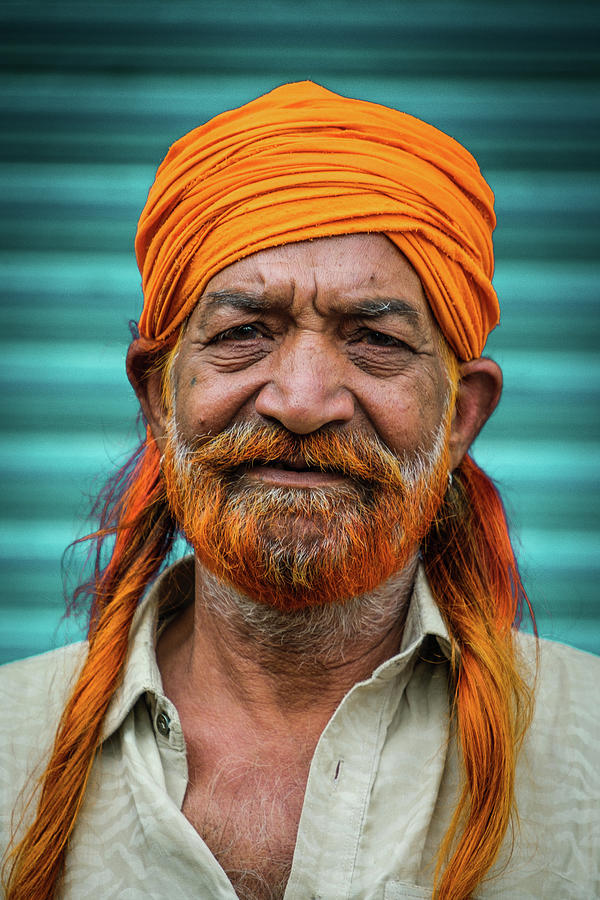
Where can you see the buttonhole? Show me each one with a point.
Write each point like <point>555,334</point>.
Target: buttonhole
<point>337,770</point>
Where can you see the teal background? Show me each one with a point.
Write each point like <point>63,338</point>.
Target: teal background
<point>92,95</point>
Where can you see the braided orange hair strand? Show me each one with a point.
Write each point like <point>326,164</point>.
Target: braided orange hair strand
<point>474,577</point>
<point>144,531</point>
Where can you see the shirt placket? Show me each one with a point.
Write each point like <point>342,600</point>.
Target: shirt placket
<point>338,791</point>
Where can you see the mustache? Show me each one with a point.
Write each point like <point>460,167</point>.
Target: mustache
<point>359,456</point>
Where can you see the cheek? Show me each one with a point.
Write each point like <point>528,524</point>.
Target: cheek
<point>400,425</point>
<point>406,419</point>
<point>209,402</point>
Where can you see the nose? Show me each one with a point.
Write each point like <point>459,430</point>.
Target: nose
<point>306,389</point>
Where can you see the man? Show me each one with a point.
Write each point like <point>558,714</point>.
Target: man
<point>330,699</point>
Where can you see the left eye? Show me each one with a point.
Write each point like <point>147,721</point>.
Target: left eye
<point>239,333</point>
<point>380,339</point>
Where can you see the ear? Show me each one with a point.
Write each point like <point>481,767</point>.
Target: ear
<point>479,390</point>
<point>146,381</point>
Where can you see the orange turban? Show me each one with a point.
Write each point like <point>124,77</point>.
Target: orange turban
<point>302,162</point>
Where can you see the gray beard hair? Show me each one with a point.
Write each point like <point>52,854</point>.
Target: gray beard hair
<point>320,634</point>
<point>326,633</point>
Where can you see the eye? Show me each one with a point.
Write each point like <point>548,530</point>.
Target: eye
<point>380,339</point>
<point>245,332</point>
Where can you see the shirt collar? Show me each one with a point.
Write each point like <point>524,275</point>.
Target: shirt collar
<point>424,618</point>
<point>174,589</point>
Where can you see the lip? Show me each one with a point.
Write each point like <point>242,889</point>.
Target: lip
<point>299,478</point>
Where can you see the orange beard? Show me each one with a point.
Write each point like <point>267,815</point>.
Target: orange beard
<point>290,547</point>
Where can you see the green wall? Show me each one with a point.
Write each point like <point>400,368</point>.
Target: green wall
<point>93,94</point>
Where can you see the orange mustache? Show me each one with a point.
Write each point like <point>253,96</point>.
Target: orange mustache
<point>359,457</point>
<point>292,547</point>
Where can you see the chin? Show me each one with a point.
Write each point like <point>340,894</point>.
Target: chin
<point>300,568</point>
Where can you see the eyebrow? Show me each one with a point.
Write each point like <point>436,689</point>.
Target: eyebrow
<point>388,306</point>
<point>257,302</point>
<point>245,300</point>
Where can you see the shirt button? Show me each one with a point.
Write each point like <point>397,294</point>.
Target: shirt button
<point>163,724</point>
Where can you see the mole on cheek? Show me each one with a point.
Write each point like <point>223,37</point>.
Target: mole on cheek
<point>193,381</point>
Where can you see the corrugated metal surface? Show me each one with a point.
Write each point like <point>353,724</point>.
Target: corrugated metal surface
<point>93,94</point>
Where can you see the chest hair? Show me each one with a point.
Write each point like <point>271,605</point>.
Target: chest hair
<point>248,815</point>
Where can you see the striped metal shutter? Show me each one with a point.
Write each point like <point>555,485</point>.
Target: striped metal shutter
<point>92,96</point>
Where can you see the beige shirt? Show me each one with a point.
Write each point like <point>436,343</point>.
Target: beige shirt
<point>383,780</point>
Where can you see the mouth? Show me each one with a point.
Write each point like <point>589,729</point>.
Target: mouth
<point>291,473</point>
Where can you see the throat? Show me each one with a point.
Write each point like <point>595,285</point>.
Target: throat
<point>313,640</point>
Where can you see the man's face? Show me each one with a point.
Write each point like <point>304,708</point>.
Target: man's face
<point>311,384</point>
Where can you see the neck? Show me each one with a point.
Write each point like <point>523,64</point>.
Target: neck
<point>227,644</point>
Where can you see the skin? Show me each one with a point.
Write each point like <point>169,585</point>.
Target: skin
<point>334,332</point>
<point>284,336</point>
<point>309,359</point>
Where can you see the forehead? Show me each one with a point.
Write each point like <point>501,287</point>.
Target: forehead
<point>339,270</point>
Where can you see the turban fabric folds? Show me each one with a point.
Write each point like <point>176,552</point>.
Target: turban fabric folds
<point>302,162</point>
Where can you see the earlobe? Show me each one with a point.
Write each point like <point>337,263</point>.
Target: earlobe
<point>479,390</point>
<point>146,379</point>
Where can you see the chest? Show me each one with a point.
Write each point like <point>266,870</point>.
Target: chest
<point>248,815</point>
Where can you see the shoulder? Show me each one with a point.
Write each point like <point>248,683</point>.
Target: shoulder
<point>566,695</point>
<point>33,693</point>
<point>558,778</point>
<point>39,683</point>
<point>566,679</point>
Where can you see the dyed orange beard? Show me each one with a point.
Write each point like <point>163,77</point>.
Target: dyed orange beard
<point>291,547</point>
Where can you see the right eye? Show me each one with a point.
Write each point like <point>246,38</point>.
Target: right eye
<point>240,333</point>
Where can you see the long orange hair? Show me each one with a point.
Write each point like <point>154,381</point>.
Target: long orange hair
<point>474,577</point>
<point>473,574</point>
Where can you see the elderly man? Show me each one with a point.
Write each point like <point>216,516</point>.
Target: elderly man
<point>329,700</point>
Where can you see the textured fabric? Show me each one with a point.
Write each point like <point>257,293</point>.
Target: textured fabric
<point>303,162</point>
<point>382,785</point>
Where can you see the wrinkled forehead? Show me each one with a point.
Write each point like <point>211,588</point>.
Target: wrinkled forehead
<point>338,270</point>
